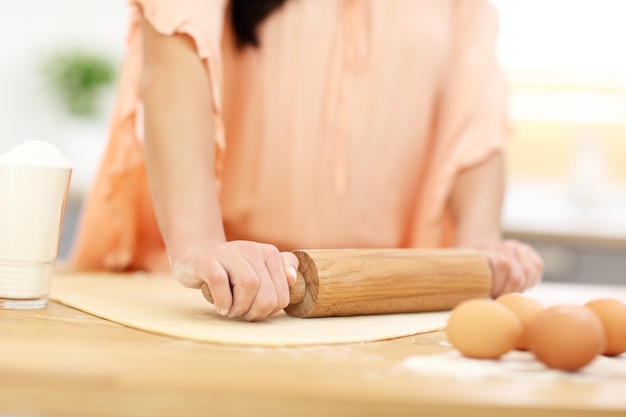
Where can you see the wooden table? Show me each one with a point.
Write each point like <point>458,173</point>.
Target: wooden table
<point>62,362</point>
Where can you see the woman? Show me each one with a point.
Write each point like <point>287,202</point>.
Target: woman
<point>244,130</point>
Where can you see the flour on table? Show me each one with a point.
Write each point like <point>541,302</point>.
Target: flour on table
<point>516,365</point>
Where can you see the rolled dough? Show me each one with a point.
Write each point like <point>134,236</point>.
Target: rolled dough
<point>158,304</point>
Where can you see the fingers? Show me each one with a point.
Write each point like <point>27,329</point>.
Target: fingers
<point>275,272</point>
<point>280,270</point>
<point>534,264</point>
<point>273,289</point>
<point>211,273</point>
<point>500,268</point>
<point>217,279</point>
<point>529,261</point>
<point>246,279</point>
<point>516,267</point>
<point>516,279</point>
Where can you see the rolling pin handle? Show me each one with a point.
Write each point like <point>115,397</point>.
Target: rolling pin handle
<point>297,289</point>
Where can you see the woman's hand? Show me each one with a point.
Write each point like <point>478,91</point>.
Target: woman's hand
<point>247,279</point>
<point>515,266</point>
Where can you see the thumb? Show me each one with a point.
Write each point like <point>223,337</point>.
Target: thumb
<point>500,270</point>
<point>290,261</point>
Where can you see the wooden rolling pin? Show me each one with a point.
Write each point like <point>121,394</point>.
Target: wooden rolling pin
<point>348,282</point>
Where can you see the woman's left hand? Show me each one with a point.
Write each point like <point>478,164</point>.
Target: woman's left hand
<point>515,266</point>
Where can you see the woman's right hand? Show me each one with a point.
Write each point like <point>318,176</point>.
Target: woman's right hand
<point>247,279</point>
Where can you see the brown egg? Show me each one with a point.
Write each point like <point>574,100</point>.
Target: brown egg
<point>612,314</point>
<point>483,329</point>
<point>566,337</point>
<point>525,308</point>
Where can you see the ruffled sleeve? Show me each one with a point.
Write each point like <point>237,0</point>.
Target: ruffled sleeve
<point>118,209</point>
<point>471,121</point>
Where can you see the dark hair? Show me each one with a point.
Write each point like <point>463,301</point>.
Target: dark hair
<point>246,16</point>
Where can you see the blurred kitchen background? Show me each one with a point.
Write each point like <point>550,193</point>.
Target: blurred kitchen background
<point>565,60</point>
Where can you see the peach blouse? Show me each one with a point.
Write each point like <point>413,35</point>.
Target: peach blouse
<point>346,128</point>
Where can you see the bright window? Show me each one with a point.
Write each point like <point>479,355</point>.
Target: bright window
<point>566,63</point>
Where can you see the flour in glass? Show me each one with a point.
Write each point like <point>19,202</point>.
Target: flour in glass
<point>34,183</point>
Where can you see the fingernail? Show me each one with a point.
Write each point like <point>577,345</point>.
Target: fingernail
<point>294,274</point>
<point>223,312</point>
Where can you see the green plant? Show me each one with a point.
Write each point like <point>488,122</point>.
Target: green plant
<point>76,78</point>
